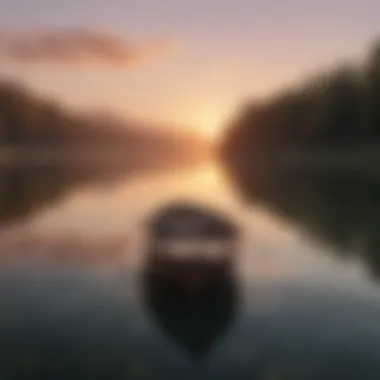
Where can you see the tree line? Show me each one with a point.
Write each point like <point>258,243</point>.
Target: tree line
<point>337,109</point>
<point>29,120</point>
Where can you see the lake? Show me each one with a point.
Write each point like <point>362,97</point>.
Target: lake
<point>303,300</point>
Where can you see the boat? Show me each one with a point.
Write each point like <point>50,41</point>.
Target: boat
<point>191,242</point>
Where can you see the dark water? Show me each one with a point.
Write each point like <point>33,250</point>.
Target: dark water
<point>302,300</point>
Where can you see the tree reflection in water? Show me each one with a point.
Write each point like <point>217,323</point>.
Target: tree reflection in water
<point>340,209</point>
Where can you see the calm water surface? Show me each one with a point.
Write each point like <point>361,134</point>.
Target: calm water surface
<point>303,303</point>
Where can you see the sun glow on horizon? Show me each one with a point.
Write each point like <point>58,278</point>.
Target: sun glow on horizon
<point>212,126</point>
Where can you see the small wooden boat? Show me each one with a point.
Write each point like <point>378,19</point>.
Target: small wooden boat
<point>190,241</point>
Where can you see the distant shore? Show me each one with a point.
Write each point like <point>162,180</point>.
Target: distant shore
<point>359,160</point>
<point>94,155</point>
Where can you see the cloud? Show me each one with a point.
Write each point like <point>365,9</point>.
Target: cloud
<point>77,47</point>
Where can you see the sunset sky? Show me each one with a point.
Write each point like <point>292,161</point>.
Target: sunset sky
<point>180,62</point>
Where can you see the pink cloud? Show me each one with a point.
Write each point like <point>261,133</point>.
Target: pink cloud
<point>77,47</point>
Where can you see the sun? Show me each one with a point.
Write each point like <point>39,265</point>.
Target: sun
<point>211,127</point>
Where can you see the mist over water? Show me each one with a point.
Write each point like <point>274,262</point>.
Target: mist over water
<point>298,301</point>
